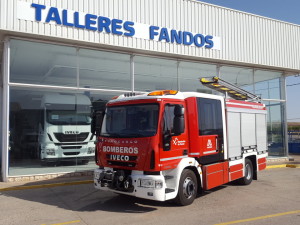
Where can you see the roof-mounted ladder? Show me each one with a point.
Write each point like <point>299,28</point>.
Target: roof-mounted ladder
<point>228,89</point>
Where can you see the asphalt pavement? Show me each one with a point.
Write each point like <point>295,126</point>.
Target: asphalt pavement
<point>273,199</point>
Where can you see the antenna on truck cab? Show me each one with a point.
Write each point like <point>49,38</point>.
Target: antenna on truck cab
<point>228,89</point>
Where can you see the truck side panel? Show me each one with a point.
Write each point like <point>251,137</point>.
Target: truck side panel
<point>262,163</point>
<point>215,175</point>
<point>236,172</point>
<point>246,125</point>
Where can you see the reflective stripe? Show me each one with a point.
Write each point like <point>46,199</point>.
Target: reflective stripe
<point>209,152</point>
<point>178,157</point>
<point>194,153</point>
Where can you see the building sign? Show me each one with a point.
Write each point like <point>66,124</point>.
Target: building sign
<point>69,18</point>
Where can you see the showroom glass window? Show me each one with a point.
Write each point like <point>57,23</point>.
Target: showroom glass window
<point>239,76</point>
<point>154,74</point>
<point>44,64</point>
<point>190,74</point>
<point>104,70</point>
<point>268,86</point>
<point>49,128</point>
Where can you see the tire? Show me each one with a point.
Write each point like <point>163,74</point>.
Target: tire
<point>187,189</point>
<point>247,179</point>
<point>85,162</point>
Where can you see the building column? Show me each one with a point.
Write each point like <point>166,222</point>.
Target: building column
<point>5,111</point>
<point>284,114</point>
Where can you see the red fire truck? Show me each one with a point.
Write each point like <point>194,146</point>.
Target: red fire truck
<point>167,144</point>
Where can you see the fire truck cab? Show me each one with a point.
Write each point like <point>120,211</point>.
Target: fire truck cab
<point>167,144</point>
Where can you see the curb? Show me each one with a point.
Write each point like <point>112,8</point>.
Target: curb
<point>293,165</point>
<point>283,166</point>
<point>46,185</point>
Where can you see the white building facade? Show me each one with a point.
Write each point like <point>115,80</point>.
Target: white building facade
<point>103,48</point>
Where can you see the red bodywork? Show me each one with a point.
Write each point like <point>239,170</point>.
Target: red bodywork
<point>199,145</point>
<point>150,155</point>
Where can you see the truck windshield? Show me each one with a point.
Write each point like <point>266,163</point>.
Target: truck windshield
<point>68,117</point>
<point>130,121</point>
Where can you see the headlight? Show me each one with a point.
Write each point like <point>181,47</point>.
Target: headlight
<point>91,150</point>
<point>148,183</point>
<point>96,174</point>
<point>158,184</point>
<point>50,151</point>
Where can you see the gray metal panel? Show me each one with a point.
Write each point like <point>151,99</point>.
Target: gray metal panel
<point>261,132</point>
<point>234,134</point>
<point>245,38</point>
<point>248,129</point>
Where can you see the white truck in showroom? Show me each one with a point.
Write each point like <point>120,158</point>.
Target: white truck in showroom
<point>64,131</point>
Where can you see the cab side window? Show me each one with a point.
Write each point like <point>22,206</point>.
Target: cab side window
<point>209,116</point>
<point>168,119</point>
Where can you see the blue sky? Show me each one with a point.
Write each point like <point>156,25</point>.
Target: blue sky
<point>289,11</point>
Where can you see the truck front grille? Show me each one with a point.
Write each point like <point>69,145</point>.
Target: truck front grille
<point>124,164</point>
<point>71,147</point>
<point>71,153</point>
<point>115,160</point>
<point>61,137</point>
<point>131,158</point>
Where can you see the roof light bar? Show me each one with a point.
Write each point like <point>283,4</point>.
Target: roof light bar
<point>163,92</point>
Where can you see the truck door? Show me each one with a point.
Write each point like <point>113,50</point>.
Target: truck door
<point>210,122</point>
<point>174,144</point>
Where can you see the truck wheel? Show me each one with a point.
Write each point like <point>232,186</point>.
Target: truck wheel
<point>247,179</point>
<point>187,190</point>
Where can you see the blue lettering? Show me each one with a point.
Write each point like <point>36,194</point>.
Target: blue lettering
<point>115,26</point>
<point>209,41</point>
<point>90,21</point>
<point>153,31</point>
<point>103,24</point>
<point>128,26</point>
<point>38,11</point>
<point>196,40</point>
<point>164,35</point>
<point>176,36</point>
<point>186,36</point>
<point>65,18</point>
<point>53,15</point>
<point>76,21</point>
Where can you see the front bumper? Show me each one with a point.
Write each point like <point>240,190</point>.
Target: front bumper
<point>131,184</point>
<point>52,151</point>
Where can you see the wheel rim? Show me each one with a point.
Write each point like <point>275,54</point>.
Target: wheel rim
<point>188,187</point>
<point>248,172</point>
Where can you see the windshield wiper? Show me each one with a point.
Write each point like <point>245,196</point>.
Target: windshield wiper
<point>123,135</point>
<point>111,135</point>
<point>135,135</point>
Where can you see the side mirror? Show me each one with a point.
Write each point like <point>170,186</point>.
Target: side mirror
<point>96,124</point>
<point>178,120</point>
<point>178,110</point>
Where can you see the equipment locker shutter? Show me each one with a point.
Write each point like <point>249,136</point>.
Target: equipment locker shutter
<point>234,134</point>
<point>261,132</point>
<point>248,125</point>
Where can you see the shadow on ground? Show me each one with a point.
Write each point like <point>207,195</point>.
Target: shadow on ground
<point>84,197</point>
